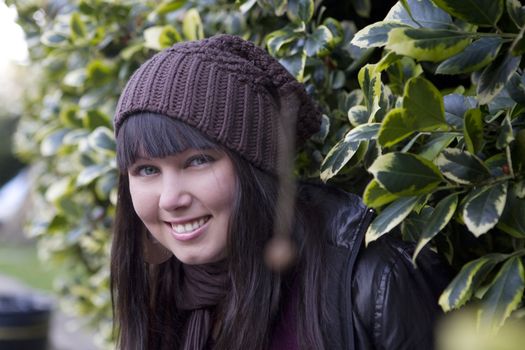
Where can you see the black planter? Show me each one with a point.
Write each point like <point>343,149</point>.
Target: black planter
<point>24,322</point>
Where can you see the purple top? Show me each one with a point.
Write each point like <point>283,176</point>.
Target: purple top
<point>285,333</point>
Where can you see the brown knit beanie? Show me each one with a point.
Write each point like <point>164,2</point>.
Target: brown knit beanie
<point>226,87</point>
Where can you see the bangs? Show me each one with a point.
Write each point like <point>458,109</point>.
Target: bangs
<point>153,135</point>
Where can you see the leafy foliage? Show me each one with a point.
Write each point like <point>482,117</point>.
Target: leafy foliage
<point>424,115</point>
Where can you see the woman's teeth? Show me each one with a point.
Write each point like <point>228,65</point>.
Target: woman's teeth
<point>190,226</point>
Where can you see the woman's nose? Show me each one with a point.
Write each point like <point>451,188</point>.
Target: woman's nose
<point>174,196</point>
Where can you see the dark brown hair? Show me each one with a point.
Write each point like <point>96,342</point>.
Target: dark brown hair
<point>143,294</point>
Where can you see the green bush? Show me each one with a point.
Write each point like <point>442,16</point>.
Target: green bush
<point>431,133</point>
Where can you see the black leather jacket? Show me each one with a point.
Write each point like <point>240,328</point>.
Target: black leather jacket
<point>376,298</point>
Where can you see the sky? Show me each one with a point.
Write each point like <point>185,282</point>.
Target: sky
<point>13,47</point>
<point>13,54</point>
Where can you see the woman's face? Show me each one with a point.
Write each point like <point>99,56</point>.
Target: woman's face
<point>185,201</point>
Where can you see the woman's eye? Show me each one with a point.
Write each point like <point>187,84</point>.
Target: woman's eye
<point>146,170</point>
<point>199,160</point>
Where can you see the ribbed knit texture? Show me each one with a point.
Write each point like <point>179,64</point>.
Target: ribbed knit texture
<point>227,88</point>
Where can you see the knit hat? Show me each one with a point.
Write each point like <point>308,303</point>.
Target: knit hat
<point>226,87</point>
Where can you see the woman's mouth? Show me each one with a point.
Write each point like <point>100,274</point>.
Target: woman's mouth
<point>189,230</point>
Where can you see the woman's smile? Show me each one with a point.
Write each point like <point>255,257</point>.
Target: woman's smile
<point>185,201</point>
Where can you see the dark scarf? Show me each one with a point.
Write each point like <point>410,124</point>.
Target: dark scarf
<point>203,287</point>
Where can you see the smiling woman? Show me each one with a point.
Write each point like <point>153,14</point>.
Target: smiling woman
<point>205,131</point>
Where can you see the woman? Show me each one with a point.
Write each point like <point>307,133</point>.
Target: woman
<point>204,132</point>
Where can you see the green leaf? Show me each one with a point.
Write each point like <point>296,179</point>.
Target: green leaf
<point>461,166</point>
<point>376,34</point>
<point>169,6</point>
<point>192,25</point>
<point>482,211</point>
<point>390,217</point>
<point>506,135</point>
<point>295,65</point>
<point>300,10</point>
<point>473,130</point>
<point>504,295</point>
<point>516,87</point>
<point>169,36</point>
<point>495,76</point>
<point>99,72</point>
<point>440,217</point>
<point>456,106</point>
<point>424,106</point>
<point>75,78</point>
<point>365,132</point>
<point>427,44</point>
<point>518,45</point>
<point>102,139</point>
<point>512,219</point>
<point>376,196</point>
<point>51,143</point>
<point>472,274</point>
<point>415,223</point>
<point>435,144</point>
<point>477,55</point>
<point>275,40</point>
<point>78,28</point>
<point>422,13</point>
<point>405,174</point>
<point>276,6</point>
<point>362,7</point>
<point>317,42</point>
<point>479,12</point>
<point>370,82</point>
<point>62,187</point>
<point>516,12</point>
<point>394,128</point>
<point>53,39</point>
<point>337,158</point>
<point>151,37</point>
<point>358,115</point>
<point>387,60</point>
<point>89,174</point>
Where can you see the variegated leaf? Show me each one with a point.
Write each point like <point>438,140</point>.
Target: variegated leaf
<point>506,136</point>
<point>422,13</point>
<point>435,144</point>
<point>394,128</point>
<point>512,220</point>
<point>376,34</point>
<point>477,55</point>
<point>300,10</point>
<point>318,41</point>
<point>504,295</point>
<point>390,217</point>
<point>427,44</point>
<point>482,212</point>
<point>376,196</point>
<point>516,87</point>
<point>516,12</point>
<point>358,115</point>
<point>424,106</point>
<point>440,217</point>
<point>479,12</point>
<point>456,106</point>
<point>405,174</point>
<point>461,166</point>
<point>365,132</point>
<point>415,223</point>
<point>337,158</point>
<point>495,76</point>
<point>473,130</point>
<point>468,279</point>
